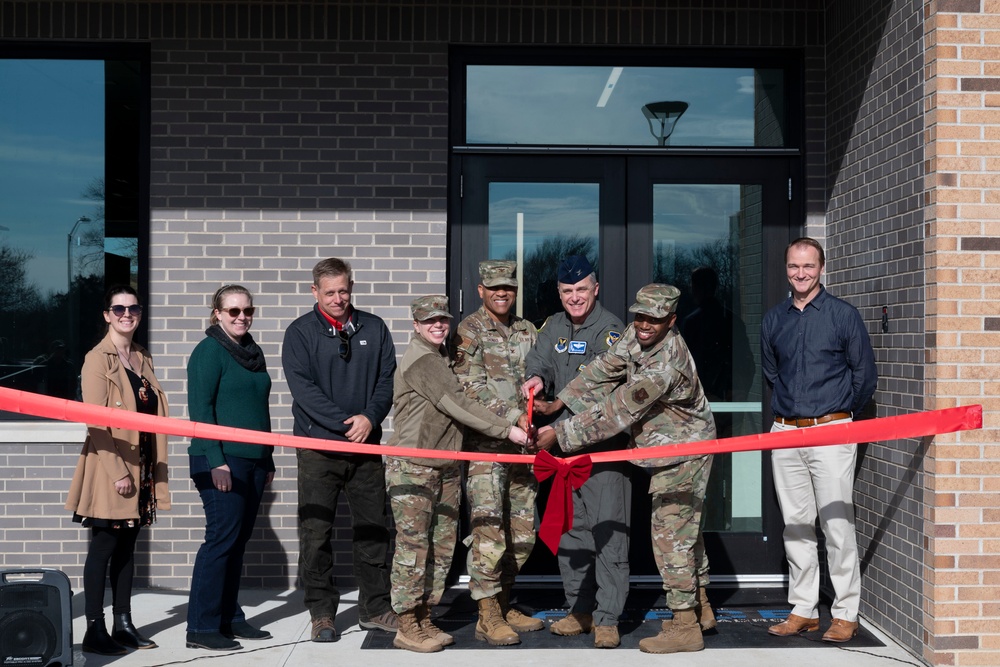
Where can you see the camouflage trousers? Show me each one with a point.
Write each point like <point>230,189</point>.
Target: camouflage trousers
<point>425,506</point>
<point>701,561</point>
<point>678,495</point>
<point>502,516</point>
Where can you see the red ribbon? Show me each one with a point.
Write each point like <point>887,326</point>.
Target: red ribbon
<point>913,425</point>
<point>576,469</point>
<point>568,475</point>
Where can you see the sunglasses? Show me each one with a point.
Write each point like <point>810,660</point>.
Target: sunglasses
<point>135,310</point>
<point>235,312</point>
<point>345,346</point>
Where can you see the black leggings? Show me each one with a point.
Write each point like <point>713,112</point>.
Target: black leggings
<point>117,547</point>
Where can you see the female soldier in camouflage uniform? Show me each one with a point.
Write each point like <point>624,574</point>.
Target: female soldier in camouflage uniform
<point>424,493</point>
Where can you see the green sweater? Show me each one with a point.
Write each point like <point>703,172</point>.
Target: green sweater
<point>222,392</point>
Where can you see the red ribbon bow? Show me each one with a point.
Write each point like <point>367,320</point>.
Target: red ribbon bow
<point>558,516</point>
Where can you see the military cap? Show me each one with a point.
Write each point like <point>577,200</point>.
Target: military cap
<point>426,307</point>
<point>496,272</point>
<point>573,269</point>
<point>656,300</point>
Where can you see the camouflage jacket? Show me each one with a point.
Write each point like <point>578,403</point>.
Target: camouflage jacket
<point>430,405</point>
<point>655,393</point>
<point>489,361</point>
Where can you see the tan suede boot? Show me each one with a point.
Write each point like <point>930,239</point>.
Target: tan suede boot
<point>606,636</point>
<point>491,626</point>
<point>572,624</point>
<point>410,635</point>
<point>681,635</point>
<point>706,617</point>
<point>432,631</point>
<point>515,619</point>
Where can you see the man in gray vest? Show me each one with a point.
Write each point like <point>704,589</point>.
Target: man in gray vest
<point>593,555</point>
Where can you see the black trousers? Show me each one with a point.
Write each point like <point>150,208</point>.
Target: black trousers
<point>321,478</point>
<point>114,547</point>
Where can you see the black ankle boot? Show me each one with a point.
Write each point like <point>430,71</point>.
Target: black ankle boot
<point>126,634</point>
<point>97,639</point>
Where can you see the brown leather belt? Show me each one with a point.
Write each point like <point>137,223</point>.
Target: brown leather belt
<point>799,422</point>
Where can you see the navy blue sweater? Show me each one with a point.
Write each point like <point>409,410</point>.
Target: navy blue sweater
<point>327,389</point>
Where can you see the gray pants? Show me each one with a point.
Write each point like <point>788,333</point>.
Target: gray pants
<point>593,555</point>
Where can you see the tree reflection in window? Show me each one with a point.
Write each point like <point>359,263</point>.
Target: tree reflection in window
<point>71,219</point>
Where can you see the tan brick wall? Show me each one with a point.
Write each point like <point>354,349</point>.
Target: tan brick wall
<point>963,248</point>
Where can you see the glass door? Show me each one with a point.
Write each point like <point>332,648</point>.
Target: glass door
<point>716,228</point>
<point>709,225</point>
<point>537,214</point>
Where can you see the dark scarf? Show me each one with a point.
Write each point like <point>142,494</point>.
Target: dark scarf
<point>247,354</point>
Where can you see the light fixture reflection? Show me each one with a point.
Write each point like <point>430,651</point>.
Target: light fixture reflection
<point>662,117</point>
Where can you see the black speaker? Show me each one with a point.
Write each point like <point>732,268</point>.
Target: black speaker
<point>36,619</point>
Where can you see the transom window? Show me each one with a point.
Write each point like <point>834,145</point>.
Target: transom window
<point>597,105</point>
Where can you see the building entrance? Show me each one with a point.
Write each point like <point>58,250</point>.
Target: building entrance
<point>716,228</point>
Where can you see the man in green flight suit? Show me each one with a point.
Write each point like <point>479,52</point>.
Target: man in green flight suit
<point>593,555</point>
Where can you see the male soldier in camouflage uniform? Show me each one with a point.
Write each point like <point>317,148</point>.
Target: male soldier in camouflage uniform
<point>593,555</point>
<point>647,383</point>
<point>490,347</point>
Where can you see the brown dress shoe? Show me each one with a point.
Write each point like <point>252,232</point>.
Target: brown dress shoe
<point>841,631</point>
<point>794,625</point>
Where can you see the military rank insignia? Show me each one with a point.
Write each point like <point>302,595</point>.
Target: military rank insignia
<point>562,345</point>
<point>613,337</point>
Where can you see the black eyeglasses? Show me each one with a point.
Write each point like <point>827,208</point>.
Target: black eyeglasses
<point>135,310</point>
<point>235,312</point>
<point>345,345</point>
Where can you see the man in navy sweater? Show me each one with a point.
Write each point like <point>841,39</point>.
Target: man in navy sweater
<point>339,363</point>
<point>818,361</point>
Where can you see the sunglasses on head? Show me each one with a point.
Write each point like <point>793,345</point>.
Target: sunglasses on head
<point>235,312</point>
<point>345,345</point>
<point>135,310</point>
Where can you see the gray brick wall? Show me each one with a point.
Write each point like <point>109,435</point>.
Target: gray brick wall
<point>875,258</point>
<point>284,132</point>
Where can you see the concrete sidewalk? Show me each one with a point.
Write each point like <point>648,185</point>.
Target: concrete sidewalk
<point>161,615</point>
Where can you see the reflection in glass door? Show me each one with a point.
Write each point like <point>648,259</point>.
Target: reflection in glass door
<point>537,224</point>
<point>706,240</point>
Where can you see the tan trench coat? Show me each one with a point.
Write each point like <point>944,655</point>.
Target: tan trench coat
<point>112,453</point>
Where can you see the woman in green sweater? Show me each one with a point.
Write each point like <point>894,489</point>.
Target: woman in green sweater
<point>228,385</point>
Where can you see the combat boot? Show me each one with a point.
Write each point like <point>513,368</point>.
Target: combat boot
<point>515,619</point>
<point>410,636</point>
<point>706,617</point>
<point>681,635</point>
<point>572,624</point>
<point>491,626</point>
<point>432,631</point>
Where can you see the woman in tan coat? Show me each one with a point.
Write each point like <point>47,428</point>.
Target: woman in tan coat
<point>121,477</point>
